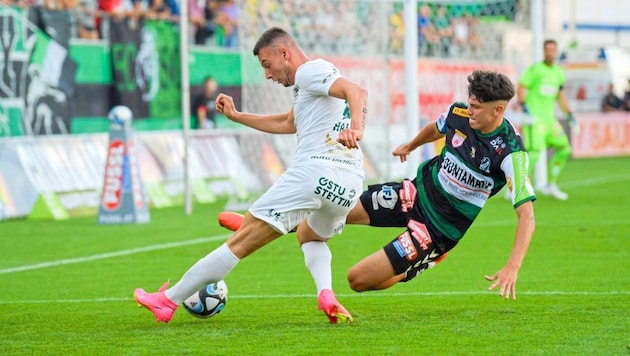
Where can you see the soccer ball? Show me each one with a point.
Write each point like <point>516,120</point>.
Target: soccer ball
<point>208,301</point>
<point>120,114</point>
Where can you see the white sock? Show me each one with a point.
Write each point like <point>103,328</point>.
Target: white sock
<point>318,259</point>
<point>212,268</point>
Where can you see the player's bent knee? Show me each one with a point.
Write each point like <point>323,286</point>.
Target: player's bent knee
<point>357,281</point>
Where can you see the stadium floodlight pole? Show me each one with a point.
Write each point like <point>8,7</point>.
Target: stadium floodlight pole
<point>411,78</point>
<point>536,17</point>
<point>185,86</point>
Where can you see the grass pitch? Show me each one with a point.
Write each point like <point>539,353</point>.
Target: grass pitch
<point>66,286</point>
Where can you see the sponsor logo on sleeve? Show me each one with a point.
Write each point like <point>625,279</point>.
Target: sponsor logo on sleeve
<point>460,112</point>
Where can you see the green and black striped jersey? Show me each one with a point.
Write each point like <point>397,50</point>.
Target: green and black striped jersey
<point>472,167</point>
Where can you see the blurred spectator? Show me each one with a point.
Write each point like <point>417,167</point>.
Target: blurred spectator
<point>85,17</point>
<point>611,101</point>
<point>111,8</point>
<point>135,8</point>
<point>626,98</point>
<point>196,16</point>
<point>474,40</point>
<point>18,3</point>
<point>397,31</point>
<point>444,31</point>
<point>428,37</point>
<point>466,39</point>
<point>204,108</point>
<point>115,10</point>
<point>205,34</point>
<point>229,12</point>
<point>158,10</point>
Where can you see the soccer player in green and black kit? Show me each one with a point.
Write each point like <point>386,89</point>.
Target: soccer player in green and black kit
<point>482,153</point>
<point>540,86</point>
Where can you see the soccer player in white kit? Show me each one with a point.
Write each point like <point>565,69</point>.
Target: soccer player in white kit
<point>314,195</point>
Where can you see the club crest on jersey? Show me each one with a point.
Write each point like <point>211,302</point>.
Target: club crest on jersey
<point>458,138</point>
<point>485,164</point>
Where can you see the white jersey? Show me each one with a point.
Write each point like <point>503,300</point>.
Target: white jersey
<point>319,118</point>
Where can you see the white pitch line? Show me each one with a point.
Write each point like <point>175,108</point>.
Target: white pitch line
<point>225,236</point>
<point>595,181</point>
<point>342,295</point>
<point>102,256</point>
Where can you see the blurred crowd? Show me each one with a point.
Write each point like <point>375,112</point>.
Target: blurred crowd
<point>331,26</point>
<point>213,22</point>
<point>611,102</point>
<point>343,27</point>
<point>335,25</point>
<point>440,33</point>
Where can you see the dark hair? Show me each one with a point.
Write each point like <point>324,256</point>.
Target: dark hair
<point>269,37</point>
<point>490,86</point>
<point>549,42</point>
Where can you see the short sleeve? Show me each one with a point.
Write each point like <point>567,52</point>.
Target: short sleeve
<point>316,76</point>
<point>440,123</point>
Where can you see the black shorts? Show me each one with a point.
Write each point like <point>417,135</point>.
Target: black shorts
<point>396,204</point>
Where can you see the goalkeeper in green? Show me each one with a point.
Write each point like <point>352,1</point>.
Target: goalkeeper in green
<point>539,88</point>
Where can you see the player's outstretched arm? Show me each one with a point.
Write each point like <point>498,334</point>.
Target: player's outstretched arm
<point>275,123</point>
<point>427,134</point>
<point>506,277</point>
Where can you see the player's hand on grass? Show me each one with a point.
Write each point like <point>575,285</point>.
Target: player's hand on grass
<point>402,152</point>
<point>225,105</point>
<point>350,138</point>
<point>505,279</point>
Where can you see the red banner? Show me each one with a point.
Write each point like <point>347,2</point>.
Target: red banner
<point>602,134</point>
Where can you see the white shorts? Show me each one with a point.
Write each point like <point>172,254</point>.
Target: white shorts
<point>323,195</point>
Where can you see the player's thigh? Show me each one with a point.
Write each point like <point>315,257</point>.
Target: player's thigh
<point>534,136</point>
<point>388,204</point>
<point>302,190</point>
<point>371,271</point>
<point>338,192</point>
<point>288,201</point>
<point>415,247</point>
